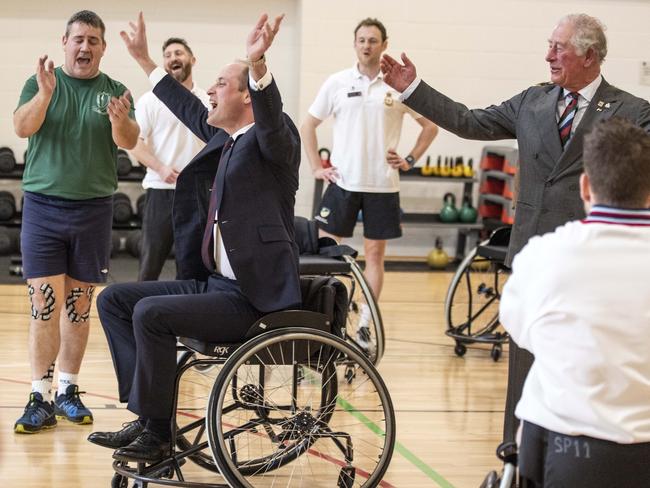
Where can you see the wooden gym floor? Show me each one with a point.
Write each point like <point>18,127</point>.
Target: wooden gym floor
<point>448,409</point>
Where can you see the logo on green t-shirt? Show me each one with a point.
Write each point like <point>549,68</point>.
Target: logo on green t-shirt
<point>101,102</point>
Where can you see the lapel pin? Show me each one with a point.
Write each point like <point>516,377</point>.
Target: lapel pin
<point>601,103</point>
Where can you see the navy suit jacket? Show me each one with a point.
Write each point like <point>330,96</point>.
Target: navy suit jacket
<point>256,190</point>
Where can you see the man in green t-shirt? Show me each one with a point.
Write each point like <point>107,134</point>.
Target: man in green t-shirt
<point>75,117</point>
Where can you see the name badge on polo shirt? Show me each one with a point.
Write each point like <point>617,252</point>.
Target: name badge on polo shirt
<point>354,94</point>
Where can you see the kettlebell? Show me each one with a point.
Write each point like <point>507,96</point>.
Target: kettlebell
<point>457,169</point>
<point>325,154</point>
<point>438,258</point>
<point>445,170</point>
<point>467,214</point>
<point>468,169</point>
<point>449,212</point>
<point>427,169</point>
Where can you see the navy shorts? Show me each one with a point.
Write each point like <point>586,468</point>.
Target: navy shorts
<point>71,237</point>
<point>339,210</point>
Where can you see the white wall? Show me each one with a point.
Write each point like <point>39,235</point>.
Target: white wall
<point>476,51</point>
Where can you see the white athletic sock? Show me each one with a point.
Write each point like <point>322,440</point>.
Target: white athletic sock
<point>44,387</point>
<point>65,380</point>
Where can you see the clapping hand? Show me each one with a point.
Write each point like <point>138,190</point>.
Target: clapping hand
<point>45,76</point>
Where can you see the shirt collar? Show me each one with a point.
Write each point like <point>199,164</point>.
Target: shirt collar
<point>242,131</point>
<point>612,215</point>
<point>588,91</point>
<point>358,75</point>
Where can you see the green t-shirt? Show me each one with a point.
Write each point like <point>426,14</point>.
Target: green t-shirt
<point>73,154</point>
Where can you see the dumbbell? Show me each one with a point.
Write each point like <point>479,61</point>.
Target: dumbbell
<point>139,205</point>
<point>122,211</point>
<point>9,240</point>
<point>7,160</point>
<point>118,243</point>
<point>124,164</point>
<point>7,205</point>
<point>134,243</point>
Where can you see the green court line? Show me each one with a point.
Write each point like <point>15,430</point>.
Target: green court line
<point>408,455</point>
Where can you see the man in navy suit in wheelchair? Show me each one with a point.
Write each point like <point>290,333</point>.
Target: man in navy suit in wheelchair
<point>237,256</point>
<point>585,407</point>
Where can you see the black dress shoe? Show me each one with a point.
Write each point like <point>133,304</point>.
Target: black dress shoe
<point>146,448</point>
<point>120,438</point>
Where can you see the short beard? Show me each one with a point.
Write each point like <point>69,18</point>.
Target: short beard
<point>183,74</point>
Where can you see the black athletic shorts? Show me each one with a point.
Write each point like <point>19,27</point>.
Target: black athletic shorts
<point>380,213</point>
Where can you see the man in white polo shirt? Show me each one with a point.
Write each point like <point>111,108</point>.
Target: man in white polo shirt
<point>585,406</point>
<point>165,147</point>
<point>365,164</point>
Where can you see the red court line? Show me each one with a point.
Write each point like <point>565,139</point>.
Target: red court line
<point>313,452</point>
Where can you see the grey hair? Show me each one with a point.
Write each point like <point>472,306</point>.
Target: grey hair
<point>589,33</point>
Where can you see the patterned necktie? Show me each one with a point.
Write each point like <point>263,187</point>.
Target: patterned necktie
<point>206,249</point>
<point>566,121</point>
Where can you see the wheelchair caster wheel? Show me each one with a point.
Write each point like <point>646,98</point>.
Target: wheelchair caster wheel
<point>119,481</point>
<point>496,353</point>
<point>460,349</point>
<point>350,374</point>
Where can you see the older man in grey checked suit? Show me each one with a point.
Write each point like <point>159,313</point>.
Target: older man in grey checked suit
<point>549,122</point>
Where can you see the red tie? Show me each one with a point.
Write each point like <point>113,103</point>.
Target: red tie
<point>206,248</point>
<point>566,121</point>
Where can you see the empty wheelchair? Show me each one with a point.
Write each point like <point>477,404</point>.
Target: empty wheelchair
<point>278,413</point>
<point>323,256</point>
<point>472,301</point>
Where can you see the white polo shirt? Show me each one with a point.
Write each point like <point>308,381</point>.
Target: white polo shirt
<point>367,122</point>
<point>172,143</point>
<point>579,300</point>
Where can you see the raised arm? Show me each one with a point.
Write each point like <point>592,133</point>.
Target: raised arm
<point>29,117</point>
<point>277,136</point>
<point>183,104</point>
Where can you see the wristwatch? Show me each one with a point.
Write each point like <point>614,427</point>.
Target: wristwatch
<point>410,160</point>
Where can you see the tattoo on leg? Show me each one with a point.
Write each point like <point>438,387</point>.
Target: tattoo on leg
<point>49,374</point>
<point>71,302</point>
<point>48,307</point>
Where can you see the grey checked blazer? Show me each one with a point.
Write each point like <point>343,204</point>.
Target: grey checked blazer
<point>548,177</point>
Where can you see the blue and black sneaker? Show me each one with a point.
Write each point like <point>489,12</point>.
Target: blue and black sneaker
<point>70,407</point>
<point>38,415</point>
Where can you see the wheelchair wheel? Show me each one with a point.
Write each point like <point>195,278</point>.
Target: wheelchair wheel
<point>472,301</point>
<point>365,328</point>
<point>266,429</point>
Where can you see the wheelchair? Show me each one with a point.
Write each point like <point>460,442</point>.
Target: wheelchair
<point>323,256</point>
<point>278,414</point>
<point>472,300</point>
